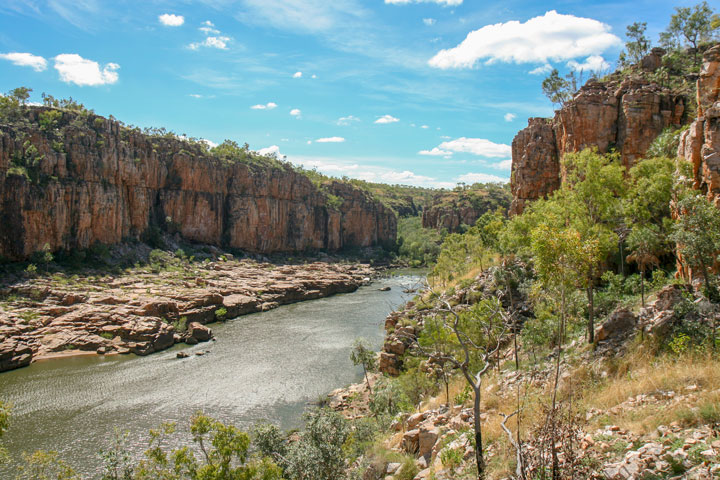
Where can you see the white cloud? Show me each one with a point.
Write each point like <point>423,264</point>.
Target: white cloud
<point>209,143</point>
<point>552,36</point>
<point>297,75</point>
<point>429,21</point>
<point>436,152</point>
<point>504,165</point>
<point>509,117</point>
<point>345,121</point>
<point>541,70</point>
<point>594,63</point>
<point>271,150</point>
<point>26,60</point>
<point>480,178</point>
<point>75,69</point>
<point>330,140</point>
<point>314,76</point>
<point>295,112</point>
<point>447,3</point>
<point>386,119</point>
<point>196,95</point>
<point>477,146</point>
<point>171,20</point>
<point>445,137</point>
<point>425,127</point>
<point>267,106</point>
<point>209,30</point>
<point>213,42</point>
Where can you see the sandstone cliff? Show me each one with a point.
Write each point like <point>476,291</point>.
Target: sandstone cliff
<point>621,115</point>
<point>86,179</point>
<point>700,144</point>
<point>451,209</point>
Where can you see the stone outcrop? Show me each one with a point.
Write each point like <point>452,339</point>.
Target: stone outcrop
<point>623,116</point>
<point>700,144</point>
<point>144,312</point>
<point>93,180</point>
<point>450,210</point>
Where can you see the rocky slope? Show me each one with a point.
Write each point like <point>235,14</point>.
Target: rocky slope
<point>700,144</point>
<point>624,115</point>
<point>145,310</point>
<point>83,179</point>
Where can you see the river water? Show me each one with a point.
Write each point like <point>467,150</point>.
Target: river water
<point>264,366</point>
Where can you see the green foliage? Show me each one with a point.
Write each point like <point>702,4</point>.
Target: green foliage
<point>557,89</point>
<point>49,119</point>
<point>451,458</point>
<point>637,44</point>
<point>43,465</point>
<point>666,144</point>
<point>417,246</point>
<point>333,201</point>
<point>221,314</point>
<point>697,234</point>
<point>387,400</point>
<point>690,26</point>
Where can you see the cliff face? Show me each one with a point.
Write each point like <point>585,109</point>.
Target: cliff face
<point>624,116</point>
<point>96,181</point>
<point>700,144</point>
<point>451,209</point>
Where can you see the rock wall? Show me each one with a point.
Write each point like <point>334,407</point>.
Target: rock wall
<point>97,181</point>
<point>451,209</point>
<point>700,144</point>
<point>624,116</point>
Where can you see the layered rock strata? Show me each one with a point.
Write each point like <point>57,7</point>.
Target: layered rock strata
<point>700,143</point>
<point>144,312</point>
<point>93,180</point>
<point>616,116</point>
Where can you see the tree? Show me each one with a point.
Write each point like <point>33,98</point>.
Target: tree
<point>697,234</point>
<point>477,335</point>
<point>556,89</point>
<point>645,243</point>
<point>690,26</point>
<point>637,44</point>
<point>319,455</point>
<point>362,354</point>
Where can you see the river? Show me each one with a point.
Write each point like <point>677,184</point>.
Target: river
<point>264,366</point>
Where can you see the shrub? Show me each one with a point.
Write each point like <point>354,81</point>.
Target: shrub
<point>220,314</point>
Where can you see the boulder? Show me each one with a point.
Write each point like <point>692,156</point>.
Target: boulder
<point>621,322</point>
<point>199,332</point>
<point>426,440</point>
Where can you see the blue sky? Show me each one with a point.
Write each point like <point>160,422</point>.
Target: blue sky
<point>423,92</point>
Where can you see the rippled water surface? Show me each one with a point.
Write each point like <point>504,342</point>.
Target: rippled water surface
<point>266,365</point>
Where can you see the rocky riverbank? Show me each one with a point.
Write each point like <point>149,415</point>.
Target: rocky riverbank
<point>145,310</point>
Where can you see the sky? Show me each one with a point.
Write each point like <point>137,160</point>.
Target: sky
<point>417,92</point>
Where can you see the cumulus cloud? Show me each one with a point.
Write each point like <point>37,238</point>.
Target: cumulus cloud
<point>424,127</point>
<point>446,3</point>
<point>504,165</point>
<point>541,70</point>
<point>271,150</point>
<point>295,112</point>
<point>330,140</point>
<point>480,178</point>
<point>552,36</point>
<point>594,63</point>
<point>509,117</point>
<point>171,20</point>
<point>209,143</point>
<point>429,21</point>
<point>297,75</point>
<point>436,152</point>
<point>345,121</point>
<point>267,106</point>
<point>477,146</point>
<point>75,69</point>
<point>26,60</point>
<point>386,119</point>
<point>220,43</point>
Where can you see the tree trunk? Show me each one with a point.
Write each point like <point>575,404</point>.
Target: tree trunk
<point>478,436</point>
<point>642,286</point>
<point>555,461</point>
<point>591,310</point>
<point>367,380</point>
